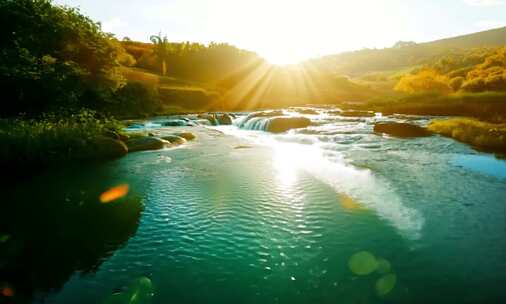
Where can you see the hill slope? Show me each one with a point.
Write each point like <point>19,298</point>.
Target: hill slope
<point>373,60</point>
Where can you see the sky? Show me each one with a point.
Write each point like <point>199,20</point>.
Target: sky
<point>287,31</point>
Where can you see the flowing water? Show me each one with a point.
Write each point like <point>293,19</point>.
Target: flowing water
<point>243,216</point>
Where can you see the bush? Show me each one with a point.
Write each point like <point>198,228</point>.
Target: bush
<point>52,138</point>
<point>426,80</point>
<point>135,98</point>
<point>483,135</point>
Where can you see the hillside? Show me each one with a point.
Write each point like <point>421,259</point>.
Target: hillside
<point>359,63</point>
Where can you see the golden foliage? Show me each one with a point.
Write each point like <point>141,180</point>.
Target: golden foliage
<point>426,80</point>
<point>477,133</point>
<point>478,70</point>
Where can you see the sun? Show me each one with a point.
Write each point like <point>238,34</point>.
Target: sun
<point>290,31</point>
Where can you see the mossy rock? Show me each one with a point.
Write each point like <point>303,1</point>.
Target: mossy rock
<point>106,147</point>
<point>146,143</point>
<point>403,130</point>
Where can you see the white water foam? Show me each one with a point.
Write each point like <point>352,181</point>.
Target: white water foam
<point>362,185</point>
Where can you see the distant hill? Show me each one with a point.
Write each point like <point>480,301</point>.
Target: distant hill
<point>405,55</point>
<point>495,37</point>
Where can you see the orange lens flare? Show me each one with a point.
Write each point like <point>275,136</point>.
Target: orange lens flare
<point>7,292</point>
<point>114,193</point>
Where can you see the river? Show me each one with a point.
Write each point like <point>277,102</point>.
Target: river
<point>331,213</point>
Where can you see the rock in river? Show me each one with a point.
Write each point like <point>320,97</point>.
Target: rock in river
<point>224,119</point>
<point>178,123</point>
<point>174,140</point>
<point>146,143</point>
<point>283,124</point>
<point>401,129</point>
<point>106,147</point>
<point>186,135</point>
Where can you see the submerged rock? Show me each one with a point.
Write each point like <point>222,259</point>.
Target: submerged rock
<point>401,129</point>
<point>283,124</point>
<point>146,143</point>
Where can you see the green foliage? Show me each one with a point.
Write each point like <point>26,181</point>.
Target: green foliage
<point>53,57</point>
<point>52,139</point>
<point>135,99</point>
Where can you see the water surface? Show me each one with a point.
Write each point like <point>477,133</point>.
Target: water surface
<point>250,217</point>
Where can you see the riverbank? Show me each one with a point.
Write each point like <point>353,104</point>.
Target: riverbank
<point>37,144</point>
<point>481,135</point>
<point>488,106</point>
<point>480,118</point>
<point>87,137</point>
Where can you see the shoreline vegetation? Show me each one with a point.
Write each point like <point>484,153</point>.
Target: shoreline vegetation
<point>63,79</point>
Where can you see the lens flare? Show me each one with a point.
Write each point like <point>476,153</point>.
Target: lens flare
<point>114,193</point>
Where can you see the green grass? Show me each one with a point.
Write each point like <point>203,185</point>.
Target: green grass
<point>52,139</point>
<point>482,135</point>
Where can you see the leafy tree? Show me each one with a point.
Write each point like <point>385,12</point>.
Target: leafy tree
<point>52,57</point>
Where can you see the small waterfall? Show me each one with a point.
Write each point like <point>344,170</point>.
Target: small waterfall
<point>252,123</point>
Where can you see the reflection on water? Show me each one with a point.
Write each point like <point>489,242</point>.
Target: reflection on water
<point>57,228</point>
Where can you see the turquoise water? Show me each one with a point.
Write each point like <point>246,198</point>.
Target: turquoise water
<point>241,216</point>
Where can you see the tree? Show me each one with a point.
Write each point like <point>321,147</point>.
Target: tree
<point>162,50</point>
<point>53,57</point>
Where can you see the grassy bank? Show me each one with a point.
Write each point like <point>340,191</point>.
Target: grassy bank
<point>57,139</point>
<point>489,106</point>
<point>490,137</point>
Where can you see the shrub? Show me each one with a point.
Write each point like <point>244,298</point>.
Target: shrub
<point>426,80</point>
<point>53,138</point>
<point>484,135</point>
<point>135,98</point>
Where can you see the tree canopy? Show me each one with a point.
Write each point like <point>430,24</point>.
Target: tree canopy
<point>53,56</point>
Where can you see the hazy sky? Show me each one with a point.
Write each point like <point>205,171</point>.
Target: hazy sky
<point>285,31</point>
